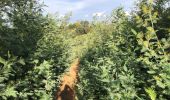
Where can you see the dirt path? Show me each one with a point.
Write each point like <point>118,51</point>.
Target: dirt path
<point>66,90</point>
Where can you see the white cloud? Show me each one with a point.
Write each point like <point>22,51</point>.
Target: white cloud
<point>105,15</point>
<point>99,14</point>
<point>85,8</point>
<point>86,15</point>
<point>66,6</point>
<point>63,6</point>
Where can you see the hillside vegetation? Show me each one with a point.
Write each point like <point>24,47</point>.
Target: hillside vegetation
<point>122,57</point>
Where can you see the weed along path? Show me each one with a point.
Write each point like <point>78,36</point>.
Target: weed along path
<point>68,81</point>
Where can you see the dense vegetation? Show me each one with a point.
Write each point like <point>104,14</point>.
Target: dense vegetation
<point>122,57</point>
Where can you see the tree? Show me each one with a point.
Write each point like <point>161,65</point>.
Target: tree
<point>84,27</point>
<point>21,26</point>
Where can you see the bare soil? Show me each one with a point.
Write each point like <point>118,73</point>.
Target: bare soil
<point>66,90</point>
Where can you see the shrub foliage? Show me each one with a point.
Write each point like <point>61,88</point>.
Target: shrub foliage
<point>122,57</point>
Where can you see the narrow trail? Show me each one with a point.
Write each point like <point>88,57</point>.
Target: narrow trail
<point>68,82</point>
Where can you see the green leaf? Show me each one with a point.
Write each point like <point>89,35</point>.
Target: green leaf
<point>2,79</point>
<point>134,32</point>
<point>146,44</point>
<point>139,36</point>
<point>151,72</point>
<point>144,49</point>
<point>160,84</point>
<point>21,61</point>
<point>45,96</point>
<point>150,1</point>
<point>125,68</point>
<point>151,93</point>
<point>151,29</point>
<point>2,60</point>
<point>10,91</point>
<point>105,80</point>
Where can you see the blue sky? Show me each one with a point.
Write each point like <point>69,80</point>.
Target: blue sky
<point>86,9</point>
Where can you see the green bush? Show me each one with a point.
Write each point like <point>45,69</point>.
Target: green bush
<point>121,57</point>
<point>132,63</point>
